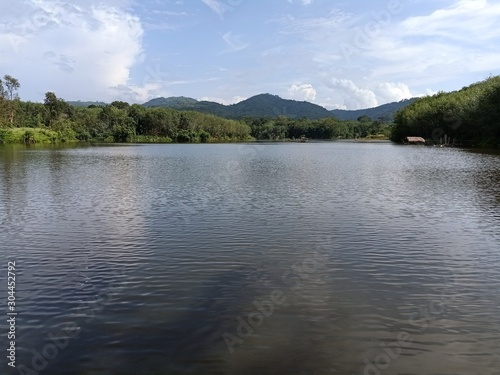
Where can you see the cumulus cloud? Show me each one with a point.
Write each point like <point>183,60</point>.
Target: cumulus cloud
<point>354,97</point>
<point>71,49</point>
<point>431,49</point>
<point>392,92</point>
<point>140,94</point>
<point>302,92</point>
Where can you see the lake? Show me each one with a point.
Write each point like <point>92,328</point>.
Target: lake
<point>281,258</point>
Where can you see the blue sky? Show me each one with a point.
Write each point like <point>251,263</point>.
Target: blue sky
<point>338,54</point>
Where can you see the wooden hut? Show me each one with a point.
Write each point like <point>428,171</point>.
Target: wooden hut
<point>414,140</point>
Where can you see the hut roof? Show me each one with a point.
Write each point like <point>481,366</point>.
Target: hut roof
<point>415,139</point>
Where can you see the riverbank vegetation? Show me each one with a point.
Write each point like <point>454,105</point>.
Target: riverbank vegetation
<point>283,128</point>
<point>470,116</point>
<point>57,121</point>
<point>467,117</point>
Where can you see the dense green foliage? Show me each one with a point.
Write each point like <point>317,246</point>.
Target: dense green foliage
<point>55,121</point>
<point>86,104</point>
<point>9,99</point>
<point>470,116</point>
<point>282,127</point>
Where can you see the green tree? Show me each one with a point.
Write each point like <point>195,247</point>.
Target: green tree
<point>120,105</point>
<point>469,116</point>
<point>9,97</point>
<point>56,109</point>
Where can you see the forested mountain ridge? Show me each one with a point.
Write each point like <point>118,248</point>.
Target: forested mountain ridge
<point>270,106</point>
<point>469,116</point>
<point>262,105</point>
<point>80,103</point>
<point>384,111</point>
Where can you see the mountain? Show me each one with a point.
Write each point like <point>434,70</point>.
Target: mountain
<point>172,102</point>
<point>85,104</point>
<point>263,105</point>
<point>267,105</point>
<point>189,104</point>
<point>385,111</point>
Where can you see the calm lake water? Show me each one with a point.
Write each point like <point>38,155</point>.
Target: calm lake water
<point>315,258</point>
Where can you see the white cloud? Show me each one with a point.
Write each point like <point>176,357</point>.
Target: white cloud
<point>79,52</point>
<point>473,17</point>
<point>170,13</point>
<point>354,97</point>
<point>219,7</point>
<point>442,45</point>
<point>140,94</point>
<point>234,42</point>
<point>392,92</point>
<point>304,2</point>
<point>302,92</point>
<point>233,100</point>
<point>431,49</point>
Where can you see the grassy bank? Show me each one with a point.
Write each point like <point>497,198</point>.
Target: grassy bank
<point>41,135</point>
<point>32,135</point>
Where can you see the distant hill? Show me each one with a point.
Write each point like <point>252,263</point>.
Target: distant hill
<point>263,105</point>
<point>267,105</point>
<point>172,102</point>
<point>80,103</point>
<point>385,111</point>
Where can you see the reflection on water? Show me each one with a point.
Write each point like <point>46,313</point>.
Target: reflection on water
<point>261,258</point>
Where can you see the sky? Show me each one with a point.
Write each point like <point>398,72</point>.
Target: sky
<point>339,54</point>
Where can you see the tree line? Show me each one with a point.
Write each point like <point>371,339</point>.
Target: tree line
<point>467,117</point>
<point>470,116</point>
<point>284,128</point>
<point>55,120</point>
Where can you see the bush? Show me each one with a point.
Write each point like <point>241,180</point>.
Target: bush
<point>151,139</point>
<point>29,135</point>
